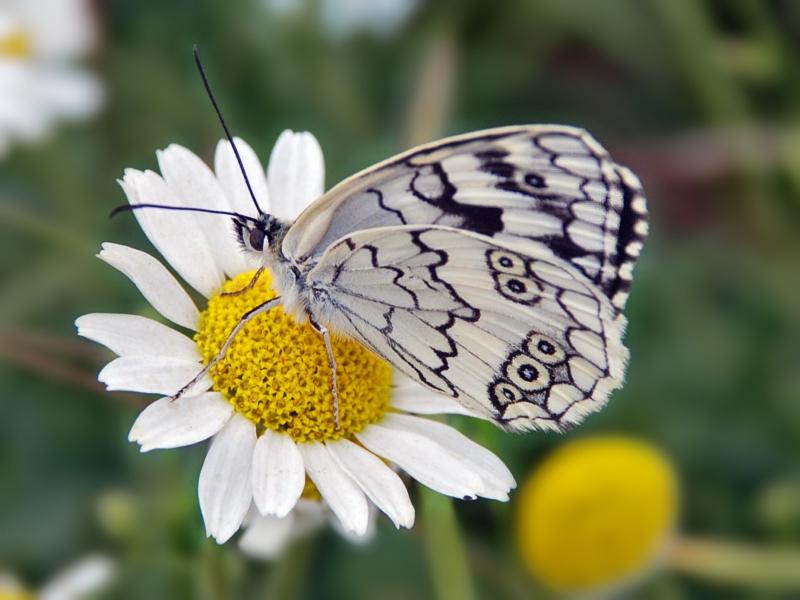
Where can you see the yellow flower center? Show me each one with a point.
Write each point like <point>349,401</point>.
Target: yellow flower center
<point>596,513</point>
<point>15,44</point>
<point>276,371</point>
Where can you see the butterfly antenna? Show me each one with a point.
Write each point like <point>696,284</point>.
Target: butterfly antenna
<point>202,70</point>
<point>133,207</point>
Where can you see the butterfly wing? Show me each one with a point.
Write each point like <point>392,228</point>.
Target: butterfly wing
<point>523,339</point>
<point>543,188</point>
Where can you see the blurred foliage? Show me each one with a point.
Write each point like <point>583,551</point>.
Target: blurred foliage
<point>701,98</point>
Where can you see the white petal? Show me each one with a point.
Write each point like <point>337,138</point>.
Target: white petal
<point>175,234</point>
<point>425,402</point>
<point>377,480</point>
<point>156,284</point>
<point>68,92</point>
<point>81,580</point>
<point>267,536</point>
<point>224,487</point>
<point>152,375</point>
<point>424,459</point>
<point>296,174</point>
<point>170,424</point>
<point>309,515</point>
<point>128,335</point>
<point>497,479</point>
<point>340,492</point>
<point>409,395</point>
<point>232,182</point>
<point>194,184</point>
<point>360,540</point>
<point>278,474</point>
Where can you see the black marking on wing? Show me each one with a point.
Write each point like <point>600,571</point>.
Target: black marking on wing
<point>487,220</point>
<point>384,206</point>
<point>465,312</point>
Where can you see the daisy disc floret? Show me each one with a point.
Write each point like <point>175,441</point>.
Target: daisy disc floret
<point>267,405</point>
<point>276,372</point>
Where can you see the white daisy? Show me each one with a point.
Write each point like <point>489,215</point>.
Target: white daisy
<point>39,41</point>
<point>267,404</point>
<point>80,580</point>
<point>265,537</point>
<point>341,19</point>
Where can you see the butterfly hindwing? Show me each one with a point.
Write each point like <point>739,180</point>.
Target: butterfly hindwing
<point>541,189</point>
<point>521,338</point>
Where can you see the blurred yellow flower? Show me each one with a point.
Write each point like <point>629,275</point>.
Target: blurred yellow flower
<point>596,513</point>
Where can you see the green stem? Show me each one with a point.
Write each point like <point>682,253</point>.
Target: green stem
<point>733,563</point>
<point>452,579</point>
<point>215,582</point>
<point>290,575</point>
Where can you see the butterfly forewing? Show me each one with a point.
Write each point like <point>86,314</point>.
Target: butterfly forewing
<point>521,338</point>
<point>541,189</point>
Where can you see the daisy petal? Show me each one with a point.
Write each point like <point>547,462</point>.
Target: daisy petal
<point>175,234</point>
<point>194,184</point>
<point>84,579</point>
<point>378,481</point>
<point>69,92</point>
<point>424,459</point>
<point>278,474</point>
<point>266,536</point>
<point>425,402</point>
<point>224,487</point>
<point>497,479</point>
<point>152,375</point>
<point>156,284</point>
<point>128,335</point>
<point>296,174</point>
<point>360,540</point>
<point>340,492</point>
<point>232,182</point>
<point>171,424</point>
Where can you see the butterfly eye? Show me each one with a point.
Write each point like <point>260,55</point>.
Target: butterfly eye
<point>257,239</point>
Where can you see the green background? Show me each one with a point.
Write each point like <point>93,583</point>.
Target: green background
<point>700,98</point>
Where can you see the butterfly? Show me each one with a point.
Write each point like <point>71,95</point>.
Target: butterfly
<point>491,267</point>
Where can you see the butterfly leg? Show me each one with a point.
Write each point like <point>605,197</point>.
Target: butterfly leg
<point>326,338</point>
<point>246,318</point>
<point>248,287</point>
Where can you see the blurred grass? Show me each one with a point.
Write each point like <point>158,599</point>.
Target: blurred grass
<point>714,317</point>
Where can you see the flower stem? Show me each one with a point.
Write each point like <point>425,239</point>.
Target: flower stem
<point>447,557</point>
<point>733,563</point>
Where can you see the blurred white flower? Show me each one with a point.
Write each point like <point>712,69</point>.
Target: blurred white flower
<point>80,580</point>
<point>343,18</point>
<point>267,404</point>
<point>265,537</point>
<point>39,83</point>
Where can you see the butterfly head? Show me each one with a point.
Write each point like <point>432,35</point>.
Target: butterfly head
<point>255,235</point>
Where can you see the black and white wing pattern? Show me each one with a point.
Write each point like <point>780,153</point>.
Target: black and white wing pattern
<point>538,188</point>
<point>524,339</point>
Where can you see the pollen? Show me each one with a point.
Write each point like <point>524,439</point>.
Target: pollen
<point>276,371</point>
